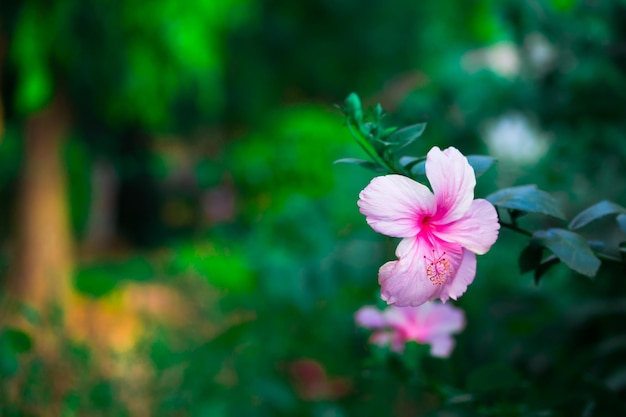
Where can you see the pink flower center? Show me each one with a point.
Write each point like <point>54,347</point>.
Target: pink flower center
<point>438,269</point>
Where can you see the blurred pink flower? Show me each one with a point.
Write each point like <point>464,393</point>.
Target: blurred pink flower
<point>442,232</point>
<point>431,323</point>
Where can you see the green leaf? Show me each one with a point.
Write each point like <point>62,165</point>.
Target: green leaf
<point>516,214</point>
<point>362,163</point>
<point>480,163</point>
<point>596,245</point>
<point>419,168</point>
<point>544,266</point>
<point>571,248</point>
<point>19,341</point>
<point>379,113</point>
<point>526,198</point>
<point>408,162</point>
<point>621,221</point>
<point>530,257</point>
<point>353,108</point>
<point>530,260</point>
<point>405,136</point>
<point>595,212</point>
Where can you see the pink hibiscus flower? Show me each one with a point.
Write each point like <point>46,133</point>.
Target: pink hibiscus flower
<point>431,323</point>
<point>441,232</point>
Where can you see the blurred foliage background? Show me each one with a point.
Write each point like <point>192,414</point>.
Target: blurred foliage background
<point>175,240</point>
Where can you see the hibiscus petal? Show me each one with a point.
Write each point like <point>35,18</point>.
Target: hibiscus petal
<point>420,273</point>
<point>452,180</point>
<point>398,317</point>
<point>465,274</point>
<point>442,319</point>
<point>409,321</point>
<point>394,205</point>
<point>441,346</point>
<point>403,321</point>
<point>406,247</point>
<point>400,286</point>
<point>476,231</point>
<point>370,318</point>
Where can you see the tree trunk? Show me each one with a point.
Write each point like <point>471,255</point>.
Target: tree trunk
<point>41,273</point>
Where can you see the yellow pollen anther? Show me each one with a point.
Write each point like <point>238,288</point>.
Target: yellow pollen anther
<point>438,269</point>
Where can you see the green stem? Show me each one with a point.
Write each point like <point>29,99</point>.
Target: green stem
<point>367,147</point>
<point>388,157</point>
<point>606,257</point>
<point>516,228</point>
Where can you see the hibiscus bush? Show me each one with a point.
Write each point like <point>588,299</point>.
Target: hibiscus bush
<point>441,232</point>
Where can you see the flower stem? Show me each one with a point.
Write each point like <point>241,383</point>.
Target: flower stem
<point>516,228</point>
<point>606,257</point>
<point>367,147</point>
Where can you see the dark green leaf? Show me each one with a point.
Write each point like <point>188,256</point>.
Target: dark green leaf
<point>379,113</point>
<point>571,248</point>
<point>353,108</point>
<point>480,163</point>
<point>369,130</point>
<point>621,221</point>
<point>388,131</point>
<point>516,214</point>
<point>526,198</point>
<point>595,212</point>
<point>361,162</point>
<point>405,136</point>
<point>545,265</point>
<point>419,168</point>
<point>408,162</point>
<point>530,258</point>
<point>596,245</point>
<point>19,341</point>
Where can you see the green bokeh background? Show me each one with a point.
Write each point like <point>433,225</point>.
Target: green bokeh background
<point>216,120</point>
